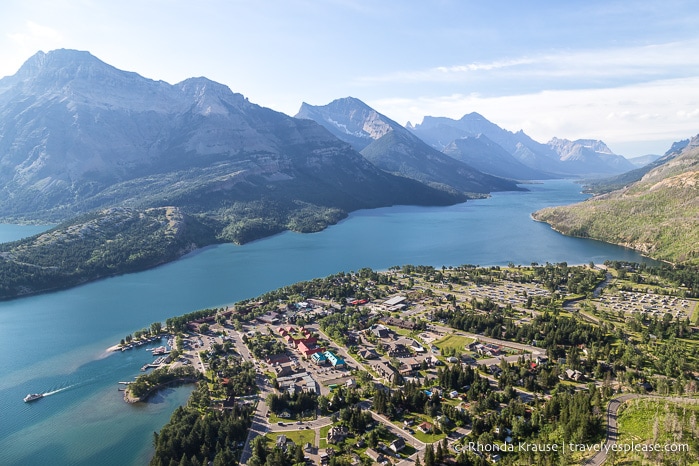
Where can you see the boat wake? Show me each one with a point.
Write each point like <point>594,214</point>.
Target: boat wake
<point>53,392</point>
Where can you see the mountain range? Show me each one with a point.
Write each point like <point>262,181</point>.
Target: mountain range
<point>558,158</point>
<point>393,148</point>
<point>78,135</point>
<point>139,172</point>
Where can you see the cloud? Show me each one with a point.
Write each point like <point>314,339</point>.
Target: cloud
<point>663,110</point>
<point>35,34</point>
<point>26,42</point>
<point>560,69</point>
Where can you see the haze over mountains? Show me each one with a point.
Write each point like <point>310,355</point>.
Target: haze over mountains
<point>78,134</point>
<point>472,140</point>
<point>143,171</point>
<point>394,149</point>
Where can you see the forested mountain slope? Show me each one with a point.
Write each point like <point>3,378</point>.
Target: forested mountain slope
<point>657,215</point>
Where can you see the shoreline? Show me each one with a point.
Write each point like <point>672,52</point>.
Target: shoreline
<point>133,400</point>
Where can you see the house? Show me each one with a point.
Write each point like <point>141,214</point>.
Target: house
<point>541,359</point>
<point>397,445</point>
<point>409,366</point>
<point>337,434</point>
<point>433,361</point>
<point>319,358</point>
<point>367,354</point>
<point>466,359</point>
<point>574,375</point>
<point>405,370</point>
<point>417,347</point>
<point>308,349</point>
<point>425,427</point>
<point>397,350</point>
<point>373,455</point>
<point>380,331</point>
<point>280,358</point>
<point>495,370</point>
<point>473,346</point>
<point>384,370</point>
<point>281,441</point>
<point>282,370</point>
<point>271,318</point>
<point>400,323</point>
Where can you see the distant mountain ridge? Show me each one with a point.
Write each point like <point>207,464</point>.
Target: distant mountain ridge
<point>489,157</point>
<point>558,158</point>
<point>393,148</point>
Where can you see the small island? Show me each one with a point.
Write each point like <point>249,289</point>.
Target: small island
<point>459,364</point>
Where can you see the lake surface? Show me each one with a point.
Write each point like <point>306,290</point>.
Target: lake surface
<point>56,342</point>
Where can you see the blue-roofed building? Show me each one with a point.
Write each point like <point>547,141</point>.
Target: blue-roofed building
<point>319,358</point>
<point>336,361</point>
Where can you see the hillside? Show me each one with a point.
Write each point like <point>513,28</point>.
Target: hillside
<point>657,215</point>
<point>80,137</point>
<point>103,243</point>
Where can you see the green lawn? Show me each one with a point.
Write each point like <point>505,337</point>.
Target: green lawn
<point>324,437</point>
<point>456,342</point>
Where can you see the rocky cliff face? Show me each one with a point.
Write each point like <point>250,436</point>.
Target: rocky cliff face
<point>77,134</point>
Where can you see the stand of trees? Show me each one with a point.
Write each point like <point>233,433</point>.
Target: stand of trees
<point>195,439</point>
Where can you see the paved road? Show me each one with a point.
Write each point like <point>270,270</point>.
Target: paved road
<point>612,426</point>
<point>481,338</point>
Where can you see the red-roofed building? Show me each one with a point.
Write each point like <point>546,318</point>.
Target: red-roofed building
<point>308,349</point>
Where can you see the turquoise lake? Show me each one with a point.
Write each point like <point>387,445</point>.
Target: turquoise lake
<point>56,342</point>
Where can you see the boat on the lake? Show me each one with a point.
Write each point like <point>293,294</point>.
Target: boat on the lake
<point>32,397</point>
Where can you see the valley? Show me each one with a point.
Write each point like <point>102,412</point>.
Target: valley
<point>166,198</point>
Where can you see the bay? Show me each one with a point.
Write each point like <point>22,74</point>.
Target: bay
<point>56,342</point>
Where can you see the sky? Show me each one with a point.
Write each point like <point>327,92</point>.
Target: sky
<point>622,71</point>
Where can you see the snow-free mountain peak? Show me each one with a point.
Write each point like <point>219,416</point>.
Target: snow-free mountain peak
<point>394,148</point>
<point>350,119</point>
<point>77,134</point>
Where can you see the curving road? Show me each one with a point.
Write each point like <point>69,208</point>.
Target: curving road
<point>612,427</point>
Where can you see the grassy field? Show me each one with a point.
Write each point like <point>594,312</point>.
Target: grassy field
<point>455,342</point>
<point>300,437</point>
<point>659,422</point>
